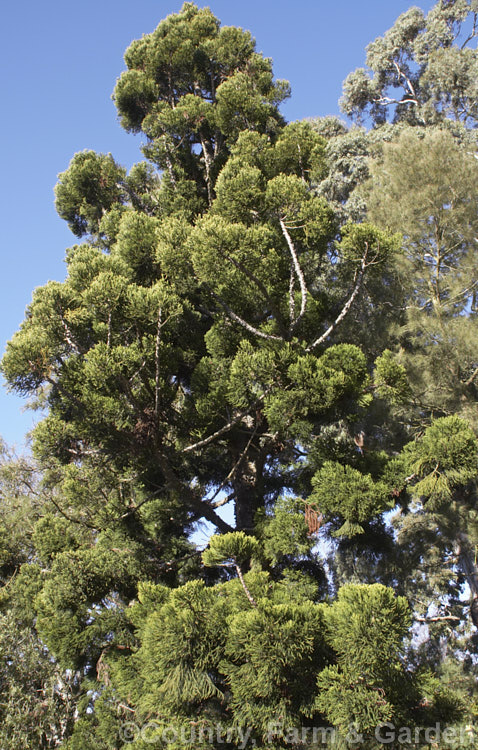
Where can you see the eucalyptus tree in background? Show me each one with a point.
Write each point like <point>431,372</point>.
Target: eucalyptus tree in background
<point>421,71</point>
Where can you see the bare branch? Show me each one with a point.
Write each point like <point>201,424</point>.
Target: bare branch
<point>472,377</point>
<point>472,33</point>
<point>299,273</point>
<point>357,284</point>
<point>241,267</point>
<point>169,163</point>
<point>291,293</point>
<point>156,362</point>
<point>70,518</point>
<point>438,618</point>
<point>203,509</point>
<point>243,583</point>
<point>243,323</point>
<point>135,508</point>
<point>70,339</point>
<point>207,165</point>
<point>227,427</point>
<point>108,340</point>
<point>389,100</point>
<point>401,74</point>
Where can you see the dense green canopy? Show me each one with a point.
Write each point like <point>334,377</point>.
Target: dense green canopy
<point>268,331</point>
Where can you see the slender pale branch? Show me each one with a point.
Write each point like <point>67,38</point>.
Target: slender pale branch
<point>472,377</point>
<point>243,583</point>
<point>156,362</point>
<point>207,165</point>
<point>244,323</point>
<point>108,340</point>
<point>226,427</point>
<point>291,293</point>
<point>402,75</point>
<point>169,163</point>
<point>224,501</point>
<point>252,277</point>
<point>299,274</point>
<point>70,339</point>
<point>438,618</point>
<point>357,284</point>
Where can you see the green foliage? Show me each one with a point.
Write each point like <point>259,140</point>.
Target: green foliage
<point>390,378</point>
<point>37,700</point>
<point>425,185</point>
<point>344,492</point>
<point>286,533</point>
<point>272,654</point>
<point>222,336</point>
<point>420,71</point>
<point>366,626</point>
<point>92,184</point>
<point>234,548</point>
<point>446,457</point>
<point>192,83</point>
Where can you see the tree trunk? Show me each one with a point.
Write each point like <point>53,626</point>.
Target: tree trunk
<point>245,492</point>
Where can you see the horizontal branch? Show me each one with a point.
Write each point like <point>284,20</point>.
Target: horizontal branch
<point>388,100</point>
<point>438,618</point>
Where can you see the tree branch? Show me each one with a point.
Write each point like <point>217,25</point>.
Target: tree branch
<point>299,274</point>
<point>438,618</point>
<point>227,427</point>
<point>402,75</point>
<point>472,377</point>
<point>243,583</point>
<point>291,293</point>
<point>388,100</point>
<point>473,32</point>
<point>156,363</point>
<point>357,284</point>
<point>241,267</point>
<point>243,323</point>
<point>203,509</point>
<point>70,339</point>
<point>231,474</point>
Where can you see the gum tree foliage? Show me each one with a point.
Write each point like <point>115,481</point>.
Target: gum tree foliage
<point>421,71</point>
<point>204,351</point>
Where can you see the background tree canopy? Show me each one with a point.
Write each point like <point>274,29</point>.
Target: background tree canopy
<point>267,327</point>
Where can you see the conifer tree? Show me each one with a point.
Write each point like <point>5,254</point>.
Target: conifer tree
<point>204,351</point>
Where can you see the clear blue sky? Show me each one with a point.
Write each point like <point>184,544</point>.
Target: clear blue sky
<point>60,61</point>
